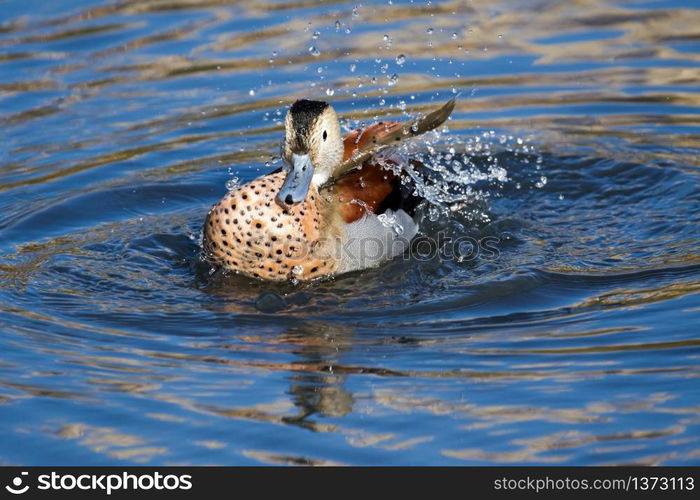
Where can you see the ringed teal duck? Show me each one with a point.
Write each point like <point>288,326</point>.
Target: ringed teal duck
<point>331,209</point>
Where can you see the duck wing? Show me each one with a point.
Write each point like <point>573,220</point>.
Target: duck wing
<point>363,144</point>
<point>364,186</point>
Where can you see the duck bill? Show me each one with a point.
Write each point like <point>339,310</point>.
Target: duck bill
<point>296,185</point>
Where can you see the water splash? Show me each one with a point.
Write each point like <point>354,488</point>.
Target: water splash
<point>391,221</point>
<point>451,173</point>
<point>233,183</point>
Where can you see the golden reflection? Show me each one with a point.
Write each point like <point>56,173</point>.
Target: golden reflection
<point>534,450</point>
<point>504,457</point>
<point>387,441</point>
<point>211,445</point>
<point>164,417</point>
<point>44,392</point>
<point>74,33</point>
<point>636,298</point>
<point>110,442</point>
<point>273,458</point>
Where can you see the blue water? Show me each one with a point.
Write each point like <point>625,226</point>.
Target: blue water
<point>577,341</point>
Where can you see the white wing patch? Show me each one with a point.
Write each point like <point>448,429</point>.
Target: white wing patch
<point>374,239</point>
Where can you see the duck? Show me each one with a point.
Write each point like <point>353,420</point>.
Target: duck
<point>337,205</point>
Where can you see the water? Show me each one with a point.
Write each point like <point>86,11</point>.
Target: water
<point>575,339</point>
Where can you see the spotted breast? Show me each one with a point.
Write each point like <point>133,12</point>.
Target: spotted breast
<point>248,231</point>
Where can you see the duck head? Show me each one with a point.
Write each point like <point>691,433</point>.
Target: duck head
<point>311,151</point>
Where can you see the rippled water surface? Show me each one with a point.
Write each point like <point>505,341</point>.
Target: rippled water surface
<point>577,341</point>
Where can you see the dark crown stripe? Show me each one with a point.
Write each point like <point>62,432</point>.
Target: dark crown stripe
<point>304,114</point>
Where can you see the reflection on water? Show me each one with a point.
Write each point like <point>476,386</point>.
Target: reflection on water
<point>575,139</point>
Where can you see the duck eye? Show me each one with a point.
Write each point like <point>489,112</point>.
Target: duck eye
<point>325,135</point>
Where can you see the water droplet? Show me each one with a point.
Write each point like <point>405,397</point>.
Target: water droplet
<point>400,59</point>
<point>330,92</point>
<point>454,36</point>
<point>337,25</point>
<point>390,221</point>
<point>434,213</point>
<point>251,92</point>
<point>316,35</point>
<point>232,183</point>
<point>314,51</point>
<point>429,31</point>
<point>391,80</point>
<point>297,270</point>
<point>355,12</point>
<point>347,31</point>
<point>382,102</point>
<point>402,105</point>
